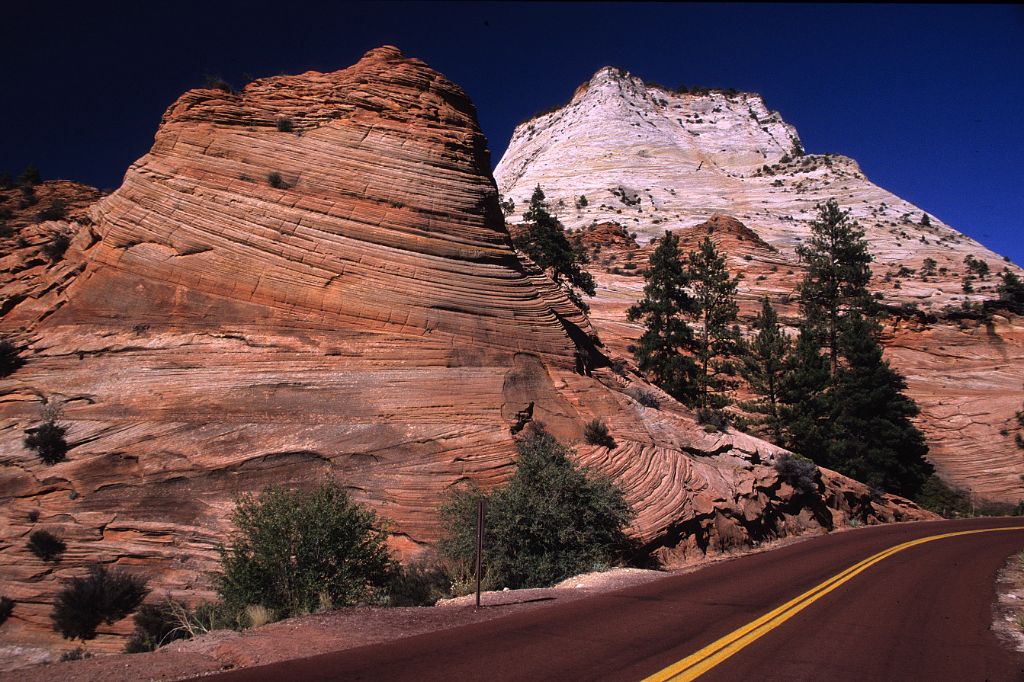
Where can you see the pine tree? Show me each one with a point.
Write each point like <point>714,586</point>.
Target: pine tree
<point>764,368</point>
<point>803,396</point>
<point>1011,290</point>
<point>837,276</point>
<point>663,310</point>
<point>544,241</point>
<point>873,439</point>
<point>714,292</point>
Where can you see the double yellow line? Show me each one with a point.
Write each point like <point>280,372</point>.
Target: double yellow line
<point>695,665</point>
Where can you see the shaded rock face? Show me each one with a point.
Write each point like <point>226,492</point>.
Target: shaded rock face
<point>725,166</point>
<point>357,316</point>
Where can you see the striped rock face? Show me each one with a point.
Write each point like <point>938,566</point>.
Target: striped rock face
<point>653,160</point>
<point>311,279</point>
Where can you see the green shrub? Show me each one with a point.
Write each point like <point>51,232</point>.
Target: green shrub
<point>102,596</point>
<point>46,545</point>
<point>938,497</point>
<point>799,472</point>
<point>644,397</point>
<point>6,608</point>
<point>715,420</point>
<point>48,441</point>
<point>595,432</point>
<point>418,584</point>
<point>553,520</point>
<point>285,125</point>
<point>295,551</point>
<point>156,625</point>
<point>10,360</point>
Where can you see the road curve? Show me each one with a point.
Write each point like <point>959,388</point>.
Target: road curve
<point>922,613</point>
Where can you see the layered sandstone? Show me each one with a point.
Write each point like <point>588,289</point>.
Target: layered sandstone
<point>311,279</point>
<point>724,165</point>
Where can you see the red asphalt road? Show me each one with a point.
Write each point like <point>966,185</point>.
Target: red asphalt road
<point>922,614</point>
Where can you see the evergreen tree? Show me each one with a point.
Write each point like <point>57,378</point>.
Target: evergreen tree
<point>544,241</point>
<point>764,368</point>
<point>873,439</point>
<point>714,293</point>
<point>1011,291</point>
<point>662,310</point>
<point>803,397</point>
<point>837,276</point>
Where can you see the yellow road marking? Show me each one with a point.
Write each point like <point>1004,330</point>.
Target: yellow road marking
<point>695,665</point>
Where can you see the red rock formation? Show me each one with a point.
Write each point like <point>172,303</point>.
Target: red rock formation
<point>311,279</point>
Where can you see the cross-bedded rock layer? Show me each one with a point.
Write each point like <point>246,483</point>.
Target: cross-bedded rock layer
<point>311,279</point>
<point>653,160</point>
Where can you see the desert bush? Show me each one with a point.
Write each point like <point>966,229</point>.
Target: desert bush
<point>418,584</point>
<point>156,625</point>
<point>6,608</point>
<point>553,520</point>
<point>293,551</point>
<point>644,397</point>
<point>947,502</point>
<point>46,545</point>
<point>10,359</point>
<point>276,181</point>
<point>57,210</point>
<point>103,596</point>
<point>76,654</point>
<point>595,432</point>
<point>285,125</point>
<point>48,441</point>
<point>712,419</point>
<point>57,246</point>
<point>218,83</point>
<point>799,472</point>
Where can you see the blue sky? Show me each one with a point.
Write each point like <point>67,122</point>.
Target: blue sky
<point>928,98</point>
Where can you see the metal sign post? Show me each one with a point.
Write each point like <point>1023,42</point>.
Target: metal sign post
<point>479,546</point>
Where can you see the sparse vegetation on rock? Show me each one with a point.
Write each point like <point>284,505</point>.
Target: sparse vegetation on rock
<point>10,358</point>
<point>545,242</point>
<point>46,545</point>
<point>595,432</point>
<point>6,609</point>
<point>103,596</point>
<point>47,439</point>
<point>277,181</point>
<point>57,246</point>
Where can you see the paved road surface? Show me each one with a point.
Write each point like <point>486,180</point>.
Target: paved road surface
<point>921,613</point>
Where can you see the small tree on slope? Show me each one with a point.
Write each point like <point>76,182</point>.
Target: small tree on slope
<point>544,241</point>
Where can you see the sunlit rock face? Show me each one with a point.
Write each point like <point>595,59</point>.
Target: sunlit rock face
<point>311,280</point>
<point>653,160</point>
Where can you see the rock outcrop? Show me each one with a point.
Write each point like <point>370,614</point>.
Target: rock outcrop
<point>311,279</point>
<point>722,164</point>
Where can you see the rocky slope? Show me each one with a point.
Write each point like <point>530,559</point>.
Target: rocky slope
<point>311,279</point>
<point>653,160</point>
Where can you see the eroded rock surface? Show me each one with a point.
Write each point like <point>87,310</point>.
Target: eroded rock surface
<point>726,166</point>
<point>311,279</point>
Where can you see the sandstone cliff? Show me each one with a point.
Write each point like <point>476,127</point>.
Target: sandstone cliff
<point>311,279</point>
<point>653,160</point>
